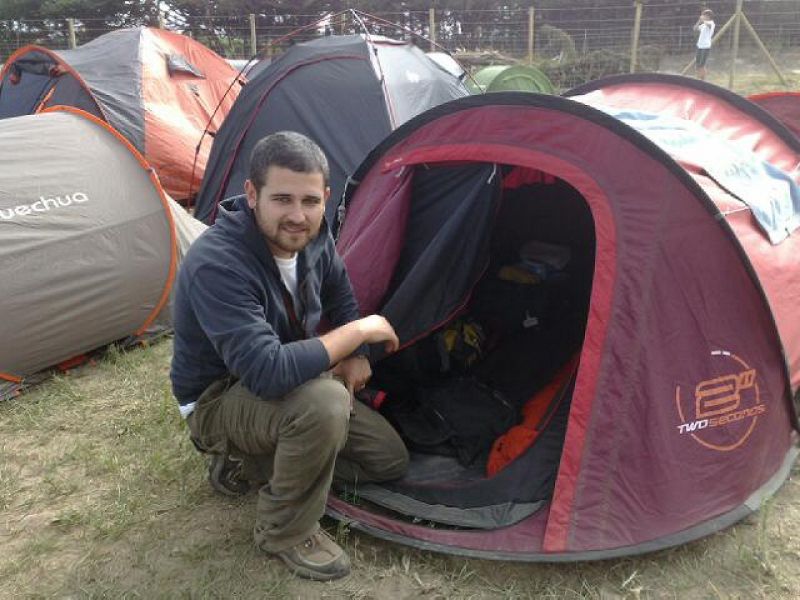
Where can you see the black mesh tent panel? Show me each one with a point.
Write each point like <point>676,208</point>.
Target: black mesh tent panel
<point>446,245</point>
<point>69,92</point>
<point>26,82</point>
<point>17,99</point>
<point>36,80</point>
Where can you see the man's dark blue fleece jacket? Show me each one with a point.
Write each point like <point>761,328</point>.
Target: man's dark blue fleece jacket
<point>230,310</point>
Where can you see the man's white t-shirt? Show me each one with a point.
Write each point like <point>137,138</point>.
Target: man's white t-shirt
<point>288,269</point>
<point>706,33</point>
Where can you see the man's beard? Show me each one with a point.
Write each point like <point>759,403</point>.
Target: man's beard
<point>292,241</point>
<point>288,241</point>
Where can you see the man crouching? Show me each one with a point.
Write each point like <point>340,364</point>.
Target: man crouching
<point>268,398</point>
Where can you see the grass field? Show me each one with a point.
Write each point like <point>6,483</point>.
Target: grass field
<point>753,73</point>
<point>102,495</point>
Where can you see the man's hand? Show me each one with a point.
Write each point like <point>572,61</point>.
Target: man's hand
<point>343,341</point>
<point>376,329</point>
<point>355,373</point>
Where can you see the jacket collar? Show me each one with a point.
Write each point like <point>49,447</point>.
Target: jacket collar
<point>238,218</point>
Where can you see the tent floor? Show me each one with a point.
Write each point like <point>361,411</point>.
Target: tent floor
<point>426,469</point>
<point>440,491</point>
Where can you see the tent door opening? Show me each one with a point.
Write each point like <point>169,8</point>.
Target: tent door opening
<point>493,287</point>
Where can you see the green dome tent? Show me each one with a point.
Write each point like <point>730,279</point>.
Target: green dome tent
<point>510,78</point>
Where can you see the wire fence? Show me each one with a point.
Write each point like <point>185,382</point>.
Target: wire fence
<point>557,32</point>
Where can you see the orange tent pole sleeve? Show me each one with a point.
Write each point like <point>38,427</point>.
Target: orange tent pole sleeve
<point>47,97</point>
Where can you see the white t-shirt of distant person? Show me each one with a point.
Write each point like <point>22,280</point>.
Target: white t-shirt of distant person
<point>706,33</point>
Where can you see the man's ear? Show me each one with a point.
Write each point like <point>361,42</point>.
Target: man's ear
<point>251,192</point>
<point>327,194</point>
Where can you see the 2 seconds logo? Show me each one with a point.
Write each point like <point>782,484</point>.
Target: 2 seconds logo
<point>721,411</point>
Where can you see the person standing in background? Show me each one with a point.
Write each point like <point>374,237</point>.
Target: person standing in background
<point>705,29</point>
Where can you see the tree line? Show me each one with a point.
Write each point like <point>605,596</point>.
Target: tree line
<point>220,23</point>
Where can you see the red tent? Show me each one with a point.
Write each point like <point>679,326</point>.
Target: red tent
<point>679,419</point>
<point>784,106</point>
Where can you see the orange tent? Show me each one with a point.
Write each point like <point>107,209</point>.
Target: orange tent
<point>158,88</point>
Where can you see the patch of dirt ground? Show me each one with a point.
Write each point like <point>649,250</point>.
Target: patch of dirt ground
<point>102,495</point>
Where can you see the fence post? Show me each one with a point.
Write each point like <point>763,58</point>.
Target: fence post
<point>735,52</point>
<point>71,33</point>
<point>432,27</point>
<point>253,39</point>
<point>637,27</point>
<point>749,26</point>
<point>531,39</point>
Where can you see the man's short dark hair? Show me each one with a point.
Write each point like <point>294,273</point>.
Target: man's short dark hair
<point>290,150</point>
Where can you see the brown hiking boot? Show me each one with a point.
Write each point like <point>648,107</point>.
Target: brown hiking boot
<point>318,557</point>
<point>225,475</point>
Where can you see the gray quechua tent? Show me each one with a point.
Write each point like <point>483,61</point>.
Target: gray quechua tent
<point>89,242</point>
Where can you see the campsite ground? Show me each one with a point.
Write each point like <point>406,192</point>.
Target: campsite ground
<point>753,73</point>
<point>101,495</point>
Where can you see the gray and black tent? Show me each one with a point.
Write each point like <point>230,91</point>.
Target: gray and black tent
<point>89,242</point>
<point>344,92</point>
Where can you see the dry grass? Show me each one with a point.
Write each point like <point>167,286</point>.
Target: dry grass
<point>101,495</point>
<point>752,75</point>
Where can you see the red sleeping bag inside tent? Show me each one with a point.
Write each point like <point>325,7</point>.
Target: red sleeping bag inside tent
<point>536,415</point>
